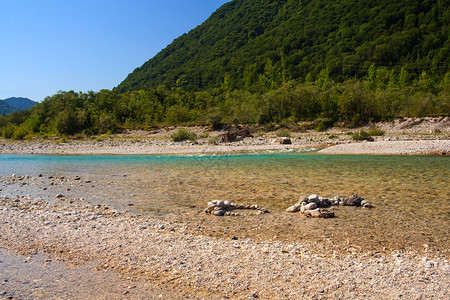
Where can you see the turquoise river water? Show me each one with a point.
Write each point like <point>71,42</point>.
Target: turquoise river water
<point>411,194</point>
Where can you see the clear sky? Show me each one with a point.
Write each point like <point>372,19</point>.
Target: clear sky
<point>82,45</point>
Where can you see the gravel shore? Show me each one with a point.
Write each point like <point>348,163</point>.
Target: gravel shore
<point>441,147</point>
<point>198,266</point>
<point>409,136</point>
<point>173,258</point>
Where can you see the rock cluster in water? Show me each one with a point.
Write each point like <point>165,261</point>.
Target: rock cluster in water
<point>225,208</point>
<point>315,206</point>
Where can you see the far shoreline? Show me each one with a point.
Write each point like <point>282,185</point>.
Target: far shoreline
<point>430,136</point>
<point>381,148</point>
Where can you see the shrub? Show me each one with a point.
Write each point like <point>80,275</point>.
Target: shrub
<point>323,124</point>
<point>183,135</point>
<point>213,140</point>
<point>284,133</point>
<point>20,133</point>
<point>362,136</point>
<point>8,131</point>
<point>375,131</point>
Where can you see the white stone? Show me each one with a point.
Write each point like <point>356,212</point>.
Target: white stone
<point>293,208</point>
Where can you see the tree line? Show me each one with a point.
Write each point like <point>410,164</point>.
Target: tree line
<point>383,94</point>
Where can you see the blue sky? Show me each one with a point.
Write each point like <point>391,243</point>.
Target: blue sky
<point>82,45</point>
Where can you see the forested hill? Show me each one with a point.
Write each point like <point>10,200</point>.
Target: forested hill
<point>13,104</point>
<point>5,108</point>
<point>20,103</point>
<point>253,42</point>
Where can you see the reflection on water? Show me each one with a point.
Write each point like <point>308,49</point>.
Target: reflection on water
<point>411,193</point>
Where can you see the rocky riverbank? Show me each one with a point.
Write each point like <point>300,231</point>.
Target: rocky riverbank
<point>197,266</point>
<point>433,147</point>
<point>407,136</point>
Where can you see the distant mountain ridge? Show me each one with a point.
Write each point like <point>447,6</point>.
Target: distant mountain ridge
<point>14,104</point>
<point>5,108</point>
<point>290,39</point>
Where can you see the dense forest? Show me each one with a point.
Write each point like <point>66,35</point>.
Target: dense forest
<point>324,101</point>
<point>273,62</point>
<point>255,44</point>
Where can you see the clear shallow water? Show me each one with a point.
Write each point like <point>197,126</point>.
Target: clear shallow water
<point>38,277</point>
<point>411,193</point>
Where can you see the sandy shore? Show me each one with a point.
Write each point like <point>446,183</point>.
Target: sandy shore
<point>197,266</point>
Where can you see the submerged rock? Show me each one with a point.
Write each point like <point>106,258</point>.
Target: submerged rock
<point>353,200</point>
<point>293,208</point>
<point>366,204</point>
<point>314,205</point>
<point>224,208</point>
<point>320,213</point>
<point>309,206</point>
<point>314,198</point>
<point>336,200</point>
<point>302,199</point>
<point>219,212</point>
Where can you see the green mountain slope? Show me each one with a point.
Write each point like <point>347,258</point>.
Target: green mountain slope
<point>5,108</point>
<point>250,42</point>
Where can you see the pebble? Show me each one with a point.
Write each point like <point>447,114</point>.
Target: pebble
<point>302,199</point>
<point>219,212</point>
<point>427,263</point>
<point>313,198</point>
<point>309,206</point>
<point>320,213</point>
<point>293,208</point>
